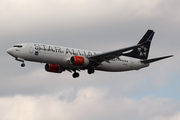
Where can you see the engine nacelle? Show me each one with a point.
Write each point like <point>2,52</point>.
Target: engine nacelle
<point>79,61</point>
<point>54,68</point>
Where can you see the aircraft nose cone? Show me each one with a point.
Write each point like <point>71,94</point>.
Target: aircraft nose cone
<point>10,51</point>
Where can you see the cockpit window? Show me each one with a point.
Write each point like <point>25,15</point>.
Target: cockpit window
<point>19,46</point>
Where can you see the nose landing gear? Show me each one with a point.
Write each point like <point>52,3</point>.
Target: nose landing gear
<point>23,65</point>
<point>21,60</point>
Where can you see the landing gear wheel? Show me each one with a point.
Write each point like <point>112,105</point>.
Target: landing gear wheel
<point>91,71</point>
<point>75,75</point>
<point>22,65</point>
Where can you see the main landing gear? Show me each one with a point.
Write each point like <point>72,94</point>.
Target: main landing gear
<point>75,75</point>
<point>91,70</point>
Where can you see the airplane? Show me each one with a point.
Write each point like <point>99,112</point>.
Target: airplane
<point>58,59</point>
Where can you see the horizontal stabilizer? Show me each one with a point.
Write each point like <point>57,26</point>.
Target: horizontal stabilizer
<point>155,59</point>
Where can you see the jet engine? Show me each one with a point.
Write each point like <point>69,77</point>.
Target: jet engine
<point>79,61</point>
<point>54,68</point>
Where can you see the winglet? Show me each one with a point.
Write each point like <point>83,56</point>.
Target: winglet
<point>155,59</point>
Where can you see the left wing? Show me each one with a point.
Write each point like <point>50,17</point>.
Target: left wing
<point>146,40</point>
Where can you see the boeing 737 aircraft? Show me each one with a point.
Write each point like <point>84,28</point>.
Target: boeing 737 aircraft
<point>59,59</point>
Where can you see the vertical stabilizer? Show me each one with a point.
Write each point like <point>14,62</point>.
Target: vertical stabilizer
<point>142,52</point>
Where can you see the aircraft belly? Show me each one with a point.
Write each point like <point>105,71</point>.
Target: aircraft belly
<point>114,66</point>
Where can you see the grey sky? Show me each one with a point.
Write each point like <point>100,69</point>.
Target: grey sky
<point>101,25</point>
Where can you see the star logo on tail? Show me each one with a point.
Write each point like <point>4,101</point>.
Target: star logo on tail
<point>142,51</point>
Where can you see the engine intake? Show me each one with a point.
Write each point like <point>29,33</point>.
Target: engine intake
<point>54,68</point>
<point>79,61</point>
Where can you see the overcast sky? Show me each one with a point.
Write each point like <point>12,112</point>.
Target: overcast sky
<point>31,93</point>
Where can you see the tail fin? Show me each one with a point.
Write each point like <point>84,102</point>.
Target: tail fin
<point>143,51</point>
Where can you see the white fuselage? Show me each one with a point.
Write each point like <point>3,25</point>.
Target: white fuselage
<point>58,55</point>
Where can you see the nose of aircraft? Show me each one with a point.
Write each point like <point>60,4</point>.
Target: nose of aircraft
<point>10,51</point>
